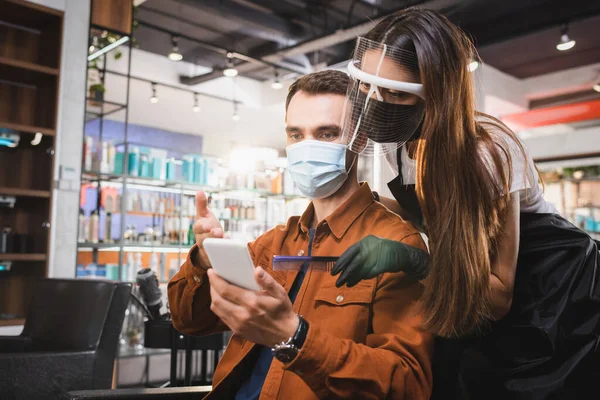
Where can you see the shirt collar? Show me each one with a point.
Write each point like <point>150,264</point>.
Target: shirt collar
<point>340,220</point>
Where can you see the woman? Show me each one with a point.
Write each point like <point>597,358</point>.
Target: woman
<point>506,274</point>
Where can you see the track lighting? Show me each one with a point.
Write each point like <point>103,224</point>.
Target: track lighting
<point>175,55</point>
<point>154,97</point>
<point>276,84</point>
<point>196,107</point>
<point>230,69</point>
<point>565,43</point>
<point>473,65</point>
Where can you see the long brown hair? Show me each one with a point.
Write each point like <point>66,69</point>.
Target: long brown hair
<point>463,172</point>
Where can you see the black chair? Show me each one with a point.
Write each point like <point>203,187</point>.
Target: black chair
<point>69,341</point>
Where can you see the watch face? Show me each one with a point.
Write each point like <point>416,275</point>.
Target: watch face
<point>285,354</point>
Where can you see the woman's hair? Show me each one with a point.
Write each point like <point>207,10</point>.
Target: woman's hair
<point>463,172</point>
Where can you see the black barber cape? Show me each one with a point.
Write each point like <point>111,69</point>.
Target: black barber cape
<point>548,346</point>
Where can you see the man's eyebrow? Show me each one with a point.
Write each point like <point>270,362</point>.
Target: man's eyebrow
<point>292,129</point>
<point>336,128</point>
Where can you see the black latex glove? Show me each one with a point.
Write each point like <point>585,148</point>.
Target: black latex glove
<point>373,256</point>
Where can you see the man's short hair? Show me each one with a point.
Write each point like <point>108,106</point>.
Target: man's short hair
<point>323,82</point>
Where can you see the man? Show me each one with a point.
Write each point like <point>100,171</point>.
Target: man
<point>302,337</point>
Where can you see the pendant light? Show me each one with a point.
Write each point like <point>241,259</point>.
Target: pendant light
<point>175,55</point>
<point>565,43</point>
<point>230,69</point>
<point>154,97</point>
<point>196,107</point>
<point>276,84</point>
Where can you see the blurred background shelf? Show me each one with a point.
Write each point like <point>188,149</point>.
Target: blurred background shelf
<point>19,192</point>
<point>22,257</point>
<point>36,68</point>
<point>12,321</point>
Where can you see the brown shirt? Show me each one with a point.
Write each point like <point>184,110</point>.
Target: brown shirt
<point>364,342</point>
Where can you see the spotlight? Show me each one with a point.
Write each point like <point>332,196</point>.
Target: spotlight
<point>597,87</point>
<point>473,65</point>
<point>276,84</point>
<point>154,97</point>
<point>196,107</point>
<point>175,55</point>
<point>230,69</point>
<point>565,43</point>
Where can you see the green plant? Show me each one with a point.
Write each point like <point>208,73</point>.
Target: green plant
<point>98,87</point>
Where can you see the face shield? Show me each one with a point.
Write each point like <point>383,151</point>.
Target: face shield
<point>385,99</point>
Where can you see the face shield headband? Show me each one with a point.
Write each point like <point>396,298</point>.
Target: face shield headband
<point>382,114</point>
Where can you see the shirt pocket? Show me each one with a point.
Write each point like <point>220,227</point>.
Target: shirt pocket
<point>344,312</point>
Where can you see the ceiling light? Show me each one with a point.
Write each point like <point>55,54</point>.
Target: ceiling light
<point>154,97</point>
<point>196,107</point>
<point>473,65</point>
<point>565,43</point>
<point>230,69</point>
<point>597,87</point>
<point>175,55</point>
<point>276,84</point>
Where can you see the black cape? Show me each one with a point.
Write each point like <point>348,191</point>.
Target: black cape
<point>548,345</point>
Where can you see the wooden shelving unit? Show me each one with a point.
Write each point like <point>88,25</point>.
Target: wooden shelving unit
<point>12,321</point>
<point>23,257</point>
<point>30,51</point>
<point>27,128</point>
<point>6,191</point>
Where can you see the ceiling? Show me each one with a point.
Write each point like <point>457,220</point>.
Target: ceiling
<point>515,36</point>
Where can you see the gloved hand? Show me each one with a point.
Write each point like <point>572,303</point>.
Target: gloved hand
<point>373,256</point>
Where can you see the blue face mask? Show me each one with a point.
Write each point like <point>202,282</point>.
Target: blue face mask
<point>317,168</point>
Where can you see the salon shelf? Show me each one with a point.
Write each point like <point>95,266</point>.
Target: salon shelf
<point>142,248</point>
<point>18,192</point>
<point>130,353</point>
<point>12,322</point>
<point>22,257</point>
<point>186,188</point>
<point>584,179</point>
<point>27,128</point>
<point>101,108</point>
<point>36,68</point>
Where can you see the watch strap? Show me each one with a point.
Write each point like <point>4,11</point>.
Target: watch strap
<point>300,336</point>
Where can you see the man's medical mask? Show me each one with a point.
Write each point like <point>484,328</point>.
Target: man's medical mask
<point>317,168</point>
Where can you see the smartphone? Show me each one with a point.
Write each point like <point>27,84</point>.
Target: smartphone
<point>231,261</point>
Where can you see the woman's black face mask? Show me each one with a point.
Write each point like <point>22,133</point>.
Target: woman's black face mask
<point>384,122</point>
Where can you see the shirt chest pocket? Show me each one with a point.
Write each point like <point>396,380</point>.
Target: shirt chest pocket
<point>345,312</point>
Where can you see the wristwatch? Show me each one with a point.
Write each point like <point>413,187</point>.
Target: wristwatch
<point>288,350</point>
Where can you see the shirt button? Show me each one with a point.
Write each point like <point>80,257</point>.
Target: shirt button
<point>301,253</point>
<point>339,299</point>
<point>197,279</point>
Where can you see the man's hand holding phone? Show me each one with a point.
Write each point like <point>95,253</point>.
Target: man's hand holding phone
<point>206,226</point>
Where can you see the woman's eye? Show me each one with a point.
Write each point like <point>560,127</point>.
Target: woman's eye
<point>365,86</point>
<point>398,95</point>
